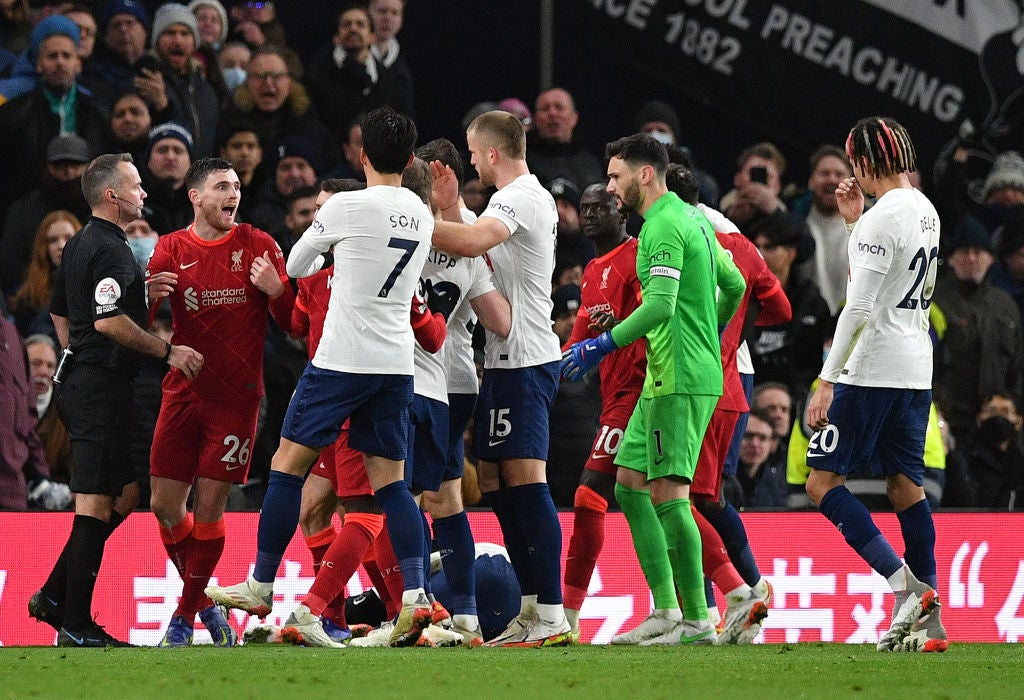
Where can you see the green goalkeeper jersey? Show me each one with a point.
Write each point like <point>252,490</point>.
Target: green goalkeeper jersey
<point>678,243</point>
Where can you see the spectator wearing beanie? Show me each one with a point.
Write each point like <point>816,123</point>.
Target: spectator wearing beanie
<point>661,121</point>
<point>55,105</point>
<point>211,21</point>
<point>980,350</point>
<point>168,158</point>
<point>1007,272</point>
<point>123,28</point>
<point>24,73</point>
<point>181,93</point>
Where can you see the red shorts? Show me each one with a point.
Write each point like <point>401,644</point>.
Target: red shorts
<point>707,480</point>
<point>344,467</point>
<point>609,437</point>
<point>201,438</point>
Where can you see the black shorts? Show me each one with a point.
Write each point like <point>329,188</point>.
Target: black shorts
<point>97,407</point>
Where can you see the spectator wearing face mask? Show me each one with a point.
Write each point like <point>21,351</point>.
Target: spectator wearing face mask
<point>995,456</point>
<point>661,121</point>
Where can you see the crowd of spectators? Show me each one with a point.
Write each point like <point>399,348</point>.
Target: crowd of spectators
<point>171,83</point>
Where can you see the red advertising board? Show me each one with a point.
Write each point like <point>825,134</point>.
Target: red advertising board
<point>823,591</point>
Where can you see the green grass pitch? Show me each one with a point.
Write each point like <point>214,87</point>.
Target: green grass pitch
<point>760,672</point>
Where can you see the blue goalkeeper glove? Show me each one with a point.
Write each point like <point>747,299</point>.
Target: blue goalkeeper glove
<point>584,356</point>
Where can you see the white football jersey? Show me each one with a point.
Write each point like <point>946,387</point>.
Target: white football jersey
<point>452,281</point>
<point>522,265</point>
<point>458,346</point>
<point>381,237</point>
<point>899,237</point>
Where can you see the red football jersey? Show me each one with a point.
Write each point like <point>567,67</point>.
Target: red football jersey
<point>311,307</point>
<point>218,311</point>
<point>610,285</point>
<point>763,284</point>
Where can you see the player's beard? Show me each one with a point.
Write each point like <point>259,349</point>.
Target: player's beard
<point>630,199</point>
<point>217,219</point>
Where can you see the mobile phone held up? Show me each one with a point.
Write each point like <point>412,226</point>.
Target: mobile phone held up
<point>759,174</point>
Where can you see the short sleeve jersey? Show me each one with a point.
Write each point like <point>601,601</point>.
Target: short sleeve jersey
<point>217,310</point>
<point>453,281</point>
<point>898,237</point>
<point>458,346</point>
<point>522,266</point>
<point>381,236</point>
<point>99,278</point>
<point>683,353</point>
<point>610,285</point>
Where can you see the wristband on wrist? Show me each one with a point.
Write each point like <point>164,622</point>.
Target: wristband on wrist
<point>167,355</point>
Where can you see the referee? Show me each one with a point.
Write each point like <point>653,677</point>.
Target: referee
<point>99,311</point>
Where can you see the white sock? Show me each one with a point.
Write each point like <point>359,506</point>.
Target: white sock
<point>551,614</point>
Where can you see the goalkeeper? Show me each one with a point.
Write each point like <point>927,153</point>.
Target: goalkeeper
<point>680,264</point>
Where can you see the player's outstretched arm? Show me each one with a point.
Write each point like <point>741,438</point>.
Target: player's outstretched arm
<point>468,241</point>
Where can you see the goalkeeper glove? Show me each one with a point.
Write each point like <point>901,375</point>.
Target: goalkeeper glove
<point>584,355</point>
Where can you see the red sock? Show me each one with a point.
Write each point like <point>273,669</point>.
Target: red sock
<point>387,562</point>
<point>377,579</point>
<point>177,541</point>
<point>318,544</point>
<point>584,546</point>
<point>207,546</point>
<point>343,558</point>
<point>715,558</point>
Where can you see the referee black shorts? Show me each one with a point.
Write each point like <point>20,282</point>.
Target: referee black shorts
<point>97,407</point>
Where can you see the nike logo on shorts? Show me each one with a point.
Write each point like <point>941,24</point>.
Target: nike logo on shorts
<point>495,443</point>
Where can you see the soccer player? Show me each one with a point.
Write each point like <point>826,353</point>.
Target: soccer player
<point>682,323</point>
<point>221,278</point>
<point>450,283</point>
<point>323,493</point>
<point>342,468</point>
<point>610,290</point>
<point>362,370</point>
<point>517,232</point>
<point>747,602</point>
<point>874,392</point>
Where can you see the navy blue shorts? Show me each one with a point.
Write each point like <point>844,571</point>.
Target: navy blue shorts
<point>512,413</point>
<point>428,438</point>
<point>377,404</point>
<point>873,430</point>
<point>460,410</point>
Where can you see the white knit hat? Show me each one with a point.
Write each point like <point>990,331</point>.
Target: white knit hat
<point>196,4</point>
<point>172,13</point>
<point>1006,173</point>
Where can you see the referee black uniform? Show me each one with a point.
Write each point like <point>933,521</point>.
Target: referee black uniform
<point>98,278</point>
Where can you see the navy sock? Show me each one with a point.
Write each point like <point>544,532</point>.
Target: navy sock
<point>458,557</point>
<point>730,528</point>
<point>278,519</point>
<point>427,547</point>
<point>515,542</point>
<point>405,528</point>
<point>709,592</point>
<point>538,519</point>
<point>84,556</point>
<point>853,520</point>
<point>919,538</point>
